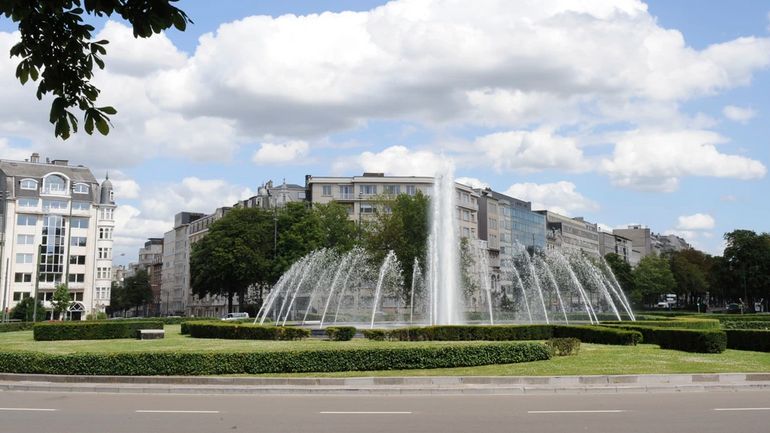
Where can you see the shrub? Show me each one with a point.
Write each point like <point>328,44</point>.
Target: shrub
<point>375,334</point>
<point>748,339</point>
<point>564,346</point>
<point>598,334</point>
<point>91,330</point>
<point>746,324</point>
<point>210,363</point>
<point>15,326</point>
<point>684,322</point>
<point>98,316</point>
<point>687,340</point>
<point>340,333</point>
<point>239,331</point>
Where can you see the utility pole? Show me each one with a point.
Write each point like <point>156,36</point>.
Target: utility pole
<point>37,282</point>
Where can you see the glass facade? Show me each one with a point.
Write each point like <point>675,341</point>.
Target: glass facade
<point>528,227</point>
<point>52,249</point>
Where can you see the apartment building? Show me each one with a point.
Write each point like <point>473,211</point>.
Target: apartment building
<point>645,242</point>
<point>57,226</point>
<point>571,234</point>
<point>175,273</point>
<point>616,244</point>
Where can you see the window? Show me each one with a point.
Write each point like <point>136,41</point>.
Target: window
<point>411,190</point>
<point>102,293</point>
<point>78,241</point>
<point>25,239</point>
<point>105,232</point>
<point>104,253</point>
<point>77,278</point>
<point>18,296</point>
<point>23,277</point>
<point>76,296</point>
<point>367,208</point>
<point>45,296</point>
<point>54,184</point>
<point>79,223</point>
<point>107,213</point>
<point>25,258</point>
<point>28,202</point>
<point>368,189</point>
<point>28,184</point>
<point>81,205</point>
<point>77,260</point>
<point>26,220</point>
<point>112,195</point>
<point>80,188</point>
<point>49,205</point>
<point>103,273</point>
<point>326,190</point>
<point>346,192</point>
<point>392,189</point>
<point>466,232</point>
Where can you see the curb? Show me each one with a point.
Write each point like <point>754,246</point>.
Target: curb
<point>439,385</point>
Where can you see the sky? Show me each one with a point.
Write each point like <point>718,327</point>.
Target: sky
<point>620,111</point>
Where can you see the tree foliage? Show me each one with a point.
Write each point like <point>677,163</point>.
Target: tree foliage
<point>747,258</point>
<point>24,309</point>
<point>622,270</point>
<point>60,300</point>
<point>56,49</point>
<point>652,278</point>
<point>133,293</point>
<point>691,271</point>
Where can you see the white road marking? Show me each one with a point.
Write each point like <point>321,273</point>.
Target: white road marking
<point>577,411</point>
<point>364,413</point>
<point>27,409</point>
<point>729,409</point>
<point>177,411</point>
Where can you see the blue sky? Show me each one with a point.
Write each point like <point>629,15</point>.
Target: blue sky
<point>619,111</point>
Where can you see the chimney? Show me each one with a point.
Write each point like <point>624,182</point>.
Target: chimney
<point>35,157</point>
<point>63,162</point>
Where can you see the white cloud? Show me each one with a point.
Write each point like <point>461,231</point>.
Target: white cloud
<point>128,55</point>
<point>472,182</point>
<point>698,221</point>
<point>739,114</point>
<point>281,153</point>
<point>655,160</point>
<point>125,189</point>
<point>531,151</point>
<point>398,161</point>
<point>560,197</point>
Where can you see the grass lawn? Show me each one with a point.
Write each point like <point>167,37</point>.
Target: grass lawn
<point>593,358</point>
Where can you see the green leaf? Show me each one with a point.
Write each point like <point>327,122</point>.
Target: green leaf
<point>57,109</point>
<point>89,126</point>
<point>102,125</point>
<point>22,72</point>
<point>108,110</point>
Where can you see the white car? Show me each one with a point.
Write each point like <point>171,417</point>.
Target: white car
<point>236,316</point>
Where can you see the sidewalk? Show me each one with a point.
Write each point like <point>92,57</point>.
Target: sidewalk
<point>439,385</point>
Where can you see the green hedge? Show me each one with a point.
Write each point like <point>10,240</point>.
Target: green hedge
<point>341,333</point>
<point>588,334</point>
<point>748,339</point>
<point>210,363</point>
<point>91,330</point>
<point>15,326</point>
<point>240,331</point>
<point>687,340</point>
<point>683,322</point>
<point>746,324</point>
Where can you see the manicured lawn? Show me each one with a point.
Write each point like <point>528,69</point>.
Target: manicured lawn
<point>593,358</point>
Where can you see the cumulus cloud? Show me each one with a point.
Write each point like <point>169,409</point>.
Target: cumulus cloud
<point>531,151</point>
<point>656,160</point>
<point>472,182</point>
<point>281,153</point>
<point>398,161</point>
<point>560,197</point>
<point>739,114</point>
<point>698,221</point>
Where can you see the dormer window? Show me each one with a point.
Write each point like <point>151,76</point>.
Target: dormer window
<point>54,184</point>
<point>80,188</point>
<point>29,184</point>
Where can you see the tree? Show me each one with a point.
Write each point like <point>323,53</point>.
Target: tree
<point>137,290</point>
<point>622,270</point>
<point>60,300</point>
<point>652,278</point>
<point>23,310</point>
<point>690,269</point>
<point>748,258</point>
<point>401,225</point>
<point>56,47</point>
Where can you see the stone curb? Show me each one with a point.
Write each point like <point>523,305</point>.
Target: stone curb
<point>439,385</point>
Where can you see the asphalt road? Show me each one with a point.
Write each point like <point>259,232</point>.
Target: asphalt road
<point>718,412</point>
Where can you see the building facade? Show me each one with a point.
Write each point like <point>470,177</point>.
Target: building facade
<point>57,228</point>
<point>571,234</point>
<point>610,243</point>
<point>175,271</point>
<point>645,242</point>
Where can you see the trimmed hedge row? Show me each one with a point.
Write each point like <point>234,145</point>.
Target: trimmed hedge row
<point>341,333</point>
<point>746,324</point>
<point>745,339</point>
<point>240,331</point>
<point>588,334</point>
<point>91,330</point>
<point>685,323</point>
<point>687,340</point>
<point>15,326</point>
<point>210,363</point>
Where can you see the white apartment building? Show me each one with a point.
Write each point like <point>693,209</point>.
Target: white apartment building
<point>57,226</point>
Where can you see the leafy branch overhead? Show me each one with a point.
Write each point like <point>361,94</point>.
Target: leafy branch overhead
<point>56,50</point>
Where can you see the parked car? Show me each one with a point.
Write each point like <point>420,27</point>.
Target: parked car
<point>662,305</point>
<point>733,309</point>
<point>235,316</point>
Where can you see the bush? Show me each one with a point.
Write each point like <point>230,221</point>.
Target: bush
<point>238,331</point>
<point>687,340</point>
<point>684,322</point>
<point>746,324</point>
<point>340,333</point>
<point>746,339</point>
<point>15,326</point>
<point>588,334</point>
<point>564,346</point>
<point>91,330</point>
<point>210,363</point>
